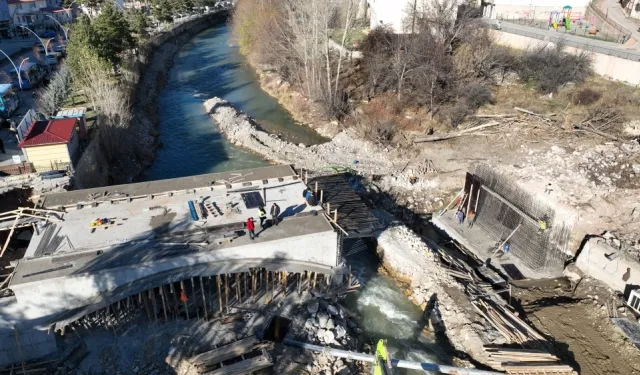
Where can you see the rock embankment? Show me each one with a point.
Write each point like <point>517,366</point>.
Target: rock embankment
<point>408,258</point>
<point>344,150</point>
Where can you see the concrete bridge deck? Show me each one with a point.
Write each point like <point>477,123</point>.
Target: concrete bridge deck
<point>71,267</point>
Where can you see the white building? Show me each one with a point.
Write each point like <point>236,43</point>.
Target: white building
<point>631,8</point>
<point>391,13</point>
<point>26,12</point>
<point>532,9</point>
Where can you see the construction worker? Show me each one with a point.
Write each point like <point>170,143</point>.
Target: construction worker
<point>308,196</point>
<point>471,217</point>
<point>275,212</point>
<point>262,213</point>
<point>460,216</point>
<point>542,223</point>
<point>251,228</point>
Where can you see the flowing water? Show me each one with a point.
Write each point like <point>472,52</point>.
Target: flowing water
<point>210,66</point>
<point>207,66</point>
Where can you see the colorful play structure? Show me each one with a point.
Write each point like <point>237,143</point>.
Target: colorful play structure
<point>561,19</point>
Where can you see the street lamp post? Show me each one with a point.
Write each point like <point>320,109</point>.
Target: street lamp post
<point>20,72</point>
<point>69,8</point>
<point>64,30</point>
<point>34,33</point>
<point>14,67</point>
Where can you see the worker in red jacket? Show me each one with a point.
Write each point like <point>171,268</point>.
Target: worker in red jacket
<point>251,228</point>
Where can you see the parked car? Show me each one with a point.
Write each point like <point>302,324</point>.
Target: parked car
<point>9,101</point>
<point>61,49</point>
<point>31,75</point>
<point>51,59</point>
<point>48,34</point>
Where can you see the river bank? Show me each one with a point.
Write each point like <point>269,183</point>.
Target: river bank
<point>149,69</point>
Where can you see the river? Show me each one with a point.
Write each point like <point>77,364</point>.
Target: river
<point>209,66</point>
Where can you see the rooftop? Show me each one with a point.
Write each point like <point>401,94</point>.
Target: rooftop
<point>153,220</point>
<point>50,132</point>
<point>5,87</point>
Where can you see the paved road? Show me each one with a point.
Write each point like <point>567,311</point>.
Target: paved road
<point>607,48</point>
<point>613,10</point>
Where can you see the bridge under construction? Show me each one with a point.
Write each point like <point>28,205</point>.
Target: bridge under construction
<point>172,249</point>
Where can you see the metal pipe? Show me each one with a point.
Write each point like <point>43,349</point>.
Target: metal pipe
<point>424,366</point>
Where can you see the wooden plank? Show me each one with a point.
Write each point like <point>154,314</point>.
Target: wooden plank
<point>225,353</point>
<point>244,367</point>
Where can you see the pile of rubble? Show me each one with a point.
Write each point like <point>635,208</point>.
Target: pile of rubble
<point>581,174</point>
<point>328,324</point>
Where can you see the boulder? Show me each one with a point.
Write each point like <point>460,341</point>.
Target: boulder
<point>329,337</point>
<point>322,319</point>
<point>333,310</point>
<point>340,331</point>
<point>330,324</point>
<point>313,306</point>
<point>308,324</point>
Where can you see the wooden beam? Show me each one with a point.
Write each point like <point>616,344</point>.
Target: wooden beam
<point>204,299</point>
<point>284,283</point>
<point>219,294</point>
<point>253,285</point>
<point>164,303</point>
<point>6,243</point>
<point>266,287</point>
<point>224,353</point>
<point>226,291</point>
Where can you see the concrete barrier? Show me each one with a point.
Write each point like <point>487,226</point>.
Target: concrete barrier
<point>602,262</point>
<point>612,67</point>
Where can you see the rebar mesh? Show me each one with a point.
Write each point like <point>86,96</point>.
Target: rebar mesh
<point>539,250</point>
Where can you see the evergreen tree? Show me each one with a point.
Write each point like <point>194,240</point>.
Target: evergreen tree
<point>112,34</point>
<point>139,23</point>
<point>163,11</point>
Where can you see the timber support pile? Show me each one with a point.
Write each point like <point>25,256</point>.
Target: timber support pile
<point>206,297</point>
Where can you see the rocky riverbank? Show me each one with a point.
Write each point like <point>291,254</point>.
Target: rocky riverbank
<point>391,168</point>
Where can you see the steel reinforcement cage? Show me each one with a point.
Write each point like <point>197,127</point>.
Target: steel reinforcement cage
<point>502,206</point>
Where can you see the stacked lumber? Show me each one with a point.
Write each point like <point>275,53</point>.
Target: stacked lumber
<point>508,324</point>
<point>526,362</point>
<point>241,353</point>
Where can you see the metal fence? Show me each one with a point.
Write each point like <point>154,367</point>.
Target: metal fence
<point>587,45</point>
<point>580,29</point>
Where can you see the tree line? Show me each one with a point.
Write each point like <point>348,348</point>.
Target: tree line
<point>444,59</point>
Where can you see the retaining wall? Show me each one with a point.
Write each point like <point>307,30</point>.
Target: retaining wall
<point>612,67</point>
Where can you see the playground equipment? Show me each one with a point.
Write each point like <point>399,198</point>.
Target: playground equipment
<point>566,17</point>
<point>554,20</point>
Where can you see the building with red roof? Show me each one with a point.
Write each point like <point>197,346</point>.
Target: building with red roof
<point>52,144</point>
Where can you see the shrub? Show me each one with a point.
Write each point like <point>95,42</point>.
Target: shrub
<point>477,95</point>
<point>551,67</point>
<point>587,96</point>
